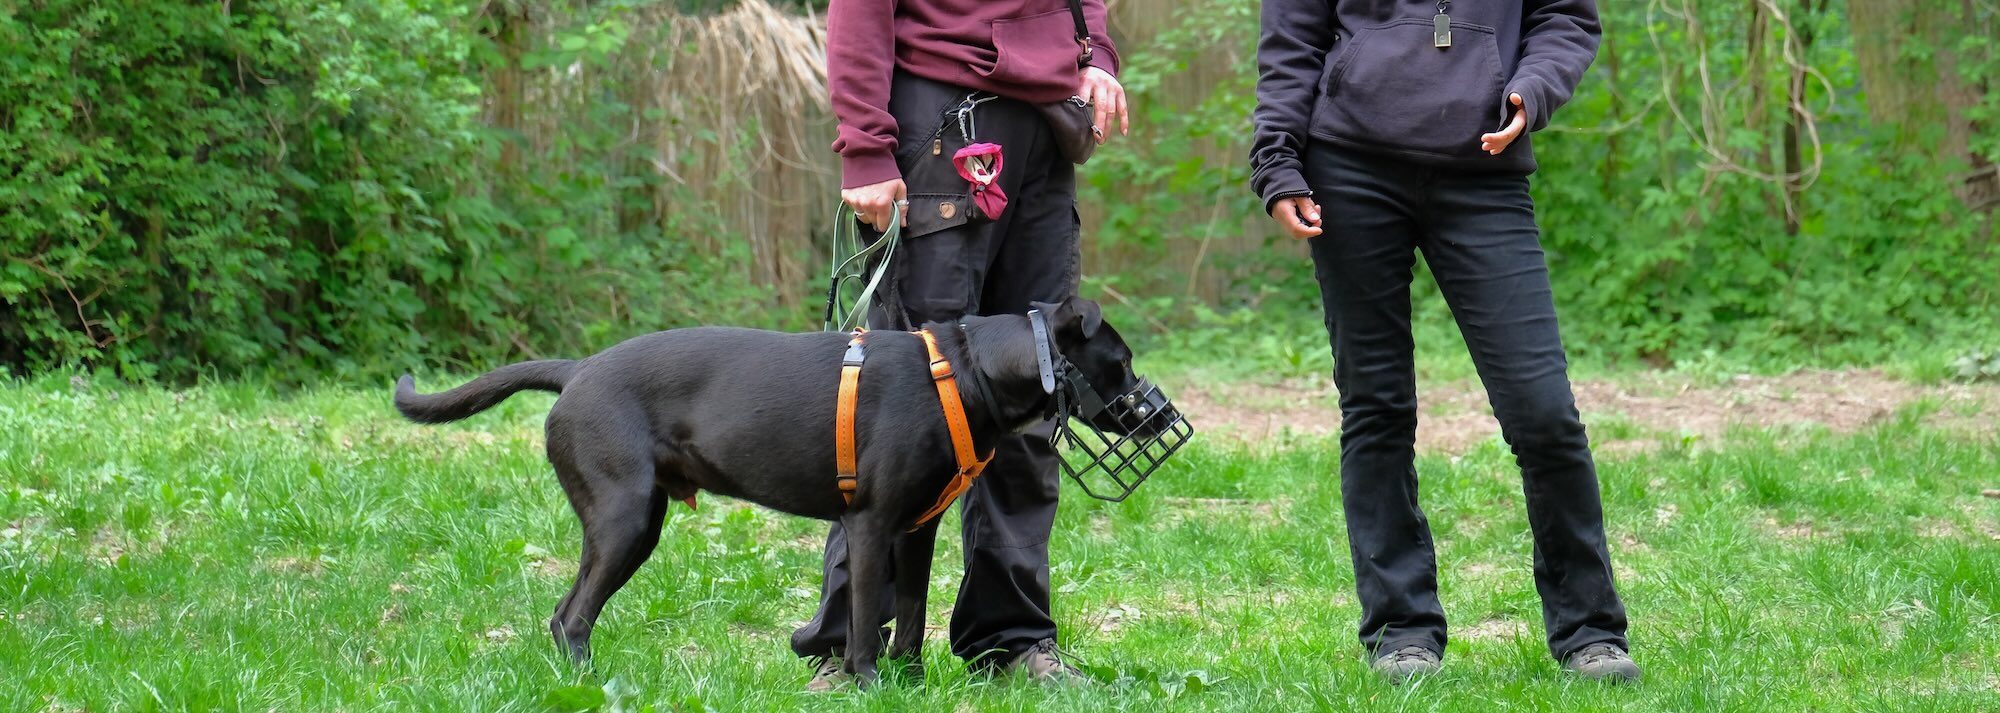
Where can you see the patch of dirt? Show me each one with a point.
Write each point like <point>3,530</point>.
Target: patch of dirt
<point>305,566</point>
<point>1273,511</point>
<point>1116,617</point>
<point>552,567</point>
<point>1627,414</point>
<point>1797,530</point>
<point>1492,629</point>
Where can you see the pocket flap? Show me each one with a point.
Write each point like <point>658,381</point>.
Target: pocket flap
<point>932,212</point>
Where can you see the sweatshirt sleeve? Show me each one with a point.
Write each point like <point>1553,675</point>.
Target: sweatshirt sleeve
<point>860,61</point>
<point>1558,42</point>
<point>1291,51</point>
<point>1102,54</point>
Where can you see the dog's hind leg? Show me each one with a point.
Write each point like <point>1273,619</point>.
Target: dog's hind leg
<point>616,544</point>
<point>869,543</point>
<point>913,581</point>
<point>621,509</point>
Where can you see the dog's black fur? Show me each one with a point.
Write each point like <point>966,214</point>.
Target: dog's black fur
<point>749,414</point>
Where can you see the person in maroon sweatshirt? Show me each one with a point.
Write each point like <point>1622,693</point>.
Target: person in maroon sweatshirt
<point>913,83</point>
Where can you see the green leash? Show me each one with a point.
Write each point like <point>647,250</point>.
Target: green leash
<point>850,288</point>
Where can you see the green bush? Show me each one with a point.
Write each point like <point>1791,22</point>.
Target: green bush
<point>1655,255</point>
<point>299,186</point>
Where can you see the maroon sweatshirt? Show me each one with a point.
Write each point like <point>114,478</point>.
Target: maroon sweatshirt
<point>1020,49</point>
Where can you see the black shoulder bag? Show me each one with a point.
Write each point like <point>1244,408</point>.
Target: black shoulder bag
<point>1073,119</point>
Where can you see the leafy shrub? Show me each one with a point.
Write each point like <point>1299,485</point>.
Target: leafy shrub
<point>303,185</point>
<point>1977,365</point>
<point>1659,252</point>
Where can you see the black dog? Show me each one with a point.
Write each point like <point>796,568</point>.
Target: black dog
<point>750,414</point>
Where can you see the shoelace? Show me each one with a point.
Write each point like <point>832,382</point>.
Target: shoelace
<point>1597,654</point>
<point>1046,648</point>
<point>826,666</point>
<point>1409,654</point>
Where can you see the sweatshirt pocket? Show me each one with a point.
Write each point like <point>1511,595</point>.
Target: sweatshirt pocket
<point>1391,87</point>
<point>1034,50</point>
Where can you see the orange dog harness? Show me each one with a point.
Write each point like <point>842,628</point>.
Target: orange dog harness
<point>845,453</point>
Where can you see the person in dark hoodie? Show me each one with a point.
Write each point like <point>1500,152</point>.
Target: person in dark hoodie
<point>1385,128</point>
<point>920,89</point>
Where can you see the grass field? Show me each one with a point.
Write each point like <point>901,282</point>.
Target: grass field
<point>229,548</point>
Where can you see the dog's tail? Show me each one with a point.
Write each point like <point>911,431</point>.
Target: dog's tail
<point>481,393</point>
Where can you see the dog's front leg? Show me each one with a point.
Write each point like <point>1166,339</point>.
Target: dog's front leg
<point>870,542</point>
<point>913,586</point>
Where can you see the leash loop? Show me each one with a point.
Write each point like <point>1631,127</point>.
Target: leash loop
<point>847,312</point>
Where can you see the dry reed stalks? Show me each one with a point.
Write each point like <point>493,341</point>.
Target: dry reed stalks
<point>731,110</point>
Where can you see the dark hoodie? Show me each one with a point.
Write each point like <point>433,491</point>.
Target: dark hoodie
<point>1365,74</point>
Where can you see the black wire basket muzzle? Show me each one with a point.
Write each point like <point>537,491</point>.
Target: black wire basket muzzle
<point>1145,430</point>
<point>1125,437</point>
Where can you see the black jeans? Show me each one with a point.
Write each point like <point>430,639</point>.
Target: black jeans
<point>1477,233</point>
<point>954,262</point>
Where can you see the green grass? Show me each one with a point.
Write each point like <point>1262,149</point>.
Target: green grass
<point>227,548</point>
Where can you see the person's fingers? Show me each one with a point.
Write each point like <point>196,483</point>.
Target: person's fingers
<point>1101,107</point>
<point>1298,217</point>
<point>1124,113</point>
<point>1513,132</point>
<point>854,203</point>
<point>871,206</point>
<point>1497,142</point>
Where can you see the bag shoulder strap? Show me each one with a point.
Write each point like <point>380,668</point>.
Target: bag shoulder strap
<point>1082,34</point>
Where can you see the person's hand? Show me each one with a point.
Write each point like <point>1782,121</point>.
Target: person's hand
<point>1498,142</point>
<point>874,203</point>
<point>1108,96</point>
<point>1298,216</point>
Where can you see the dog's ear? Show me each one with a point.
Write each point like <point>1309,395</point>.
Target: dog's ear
<point>1075,320</point>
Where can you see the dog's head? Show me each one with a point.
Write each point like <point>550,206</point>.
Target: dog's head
<point>1104,389</point>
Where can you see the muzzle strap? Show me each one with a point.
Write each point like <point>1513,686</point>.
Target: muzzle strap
<point>1044,352</point>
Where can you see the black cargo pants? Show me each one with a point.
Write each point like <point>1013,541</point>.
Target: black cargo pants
<point>954,262</point>
<point>1477,233</point>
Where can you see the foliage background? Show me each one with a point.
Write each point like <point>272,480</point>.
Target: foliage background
<point>352,187</point>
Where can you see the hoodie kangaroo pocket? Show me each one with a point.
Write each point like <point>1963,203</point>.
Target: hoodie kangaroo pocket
<point>1391,87</point>
<point>1034,50</point>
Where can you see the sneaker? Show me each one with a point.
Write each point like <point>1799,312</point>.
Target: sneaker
<point>827,675</point>
<point>1406,663</point>
<point>1043,662</point>
<point>1602,662</point>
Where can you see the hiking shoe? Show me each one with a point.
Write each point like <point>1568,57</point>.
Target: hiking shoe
<point>827,675</point>
<point>1406,663</point>
<point>1043,663</point>
<point>1602,662</point>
